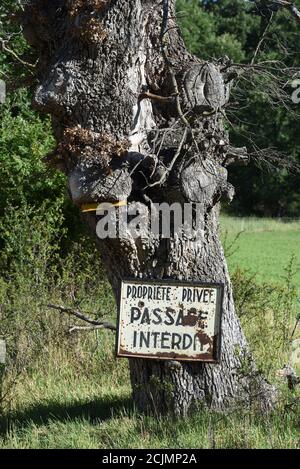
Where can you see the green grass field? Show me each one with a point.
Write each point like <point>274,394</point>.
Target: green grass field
<point>64,406</point>
<point>75,394</point>
<point>264,247</point>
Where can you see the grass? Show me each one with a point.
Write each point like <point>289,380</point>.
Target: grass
<point>263,247</point>
<point>60,408</point>
<point>71,392</point>
<point>235,225</point>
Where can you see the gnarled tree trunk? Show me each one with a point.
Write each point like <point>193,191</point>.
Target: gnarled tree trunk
<point>138,118</point>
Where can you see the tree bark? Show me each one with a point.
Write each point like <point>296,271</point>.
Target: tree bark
<point>138,118</point>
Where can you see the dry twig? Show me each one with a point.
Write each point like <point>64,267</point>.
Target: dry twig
<point>83,317</point>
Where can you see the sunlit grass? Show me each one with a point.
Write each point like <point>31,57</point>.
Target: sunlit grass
<point>61,408</point>
<point>263,246</point>
<point>234,225</point>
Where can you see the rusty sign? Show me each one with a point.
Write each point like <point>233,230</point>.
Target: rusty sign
<point>170,320</point>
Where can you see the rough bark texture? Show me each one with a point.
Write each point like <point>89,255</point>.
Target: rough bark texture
<point>114,75</point>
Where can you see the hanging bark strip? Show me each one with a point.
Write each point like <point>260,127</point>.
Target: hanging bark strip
<point>169,150</point>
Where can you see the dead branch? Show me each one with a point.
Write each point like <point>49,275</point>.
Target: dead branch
<point>276,5</point>
<point>164,41</point>
<point>85,328</point>
<point>270,158</point>
<point>83,317</point>
<point>170,167</point>
<point>295,328</point>
<point>6,49</point>
<point>290,6</point>
<point>262,39</point>
<point>155,97</point>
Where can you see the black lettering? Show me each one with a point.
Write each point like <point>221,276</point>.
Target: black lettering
<point>205,299</point>
<point>176,341</point>
<point>134,292</point>
<point>168,293</point>
<point>146,317</point>
<point>180,318</point>
<point>128,291</point>
<point>184,294</point>
<point>202,315</point>
<point>155,336</point>
<point>135,314</point>
<point>197,342</point>
<point>144,338</point>
<point>145,291</point>
<point>157,314</point>
<point>150,292</point>
<point>199,295</point>
<point>134,338</point>
<point>164,338</point>
<point>170,313</point>
<point>187,341</point>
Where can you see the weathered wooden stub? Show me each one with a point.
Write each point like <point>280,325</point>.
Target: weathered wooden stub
<point>114,75</point>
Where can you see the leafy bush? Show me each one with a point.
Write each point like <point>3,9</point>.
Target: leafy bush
<point>24,139</point>
<point>34,273</point>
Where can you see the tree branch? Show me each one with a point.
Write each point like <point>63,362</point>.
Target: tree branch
<point>85,328</point>
<point>289,6</point>
<point>261,39</point>
<point>286,4</point>
<point>16,56</point>
<point>164,41</point>
<point>83,317</point>
<point>170,167</point>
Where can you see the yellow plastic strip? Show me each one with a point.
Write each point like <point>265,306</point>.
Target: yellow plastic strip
<point>94,207</point>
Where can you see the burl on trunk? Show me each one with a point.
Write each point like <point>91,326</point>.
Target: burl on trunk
<point>138,118</point>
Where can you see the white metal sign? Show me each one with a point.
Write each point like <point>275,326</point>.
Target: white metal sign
<point>170,320</point>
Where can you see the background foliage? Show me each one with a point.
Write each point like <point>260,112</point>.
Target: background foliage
<point>233,28</point>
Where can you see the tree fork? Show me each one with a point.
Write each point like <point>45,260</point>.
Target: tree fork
<point>96,60</point>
